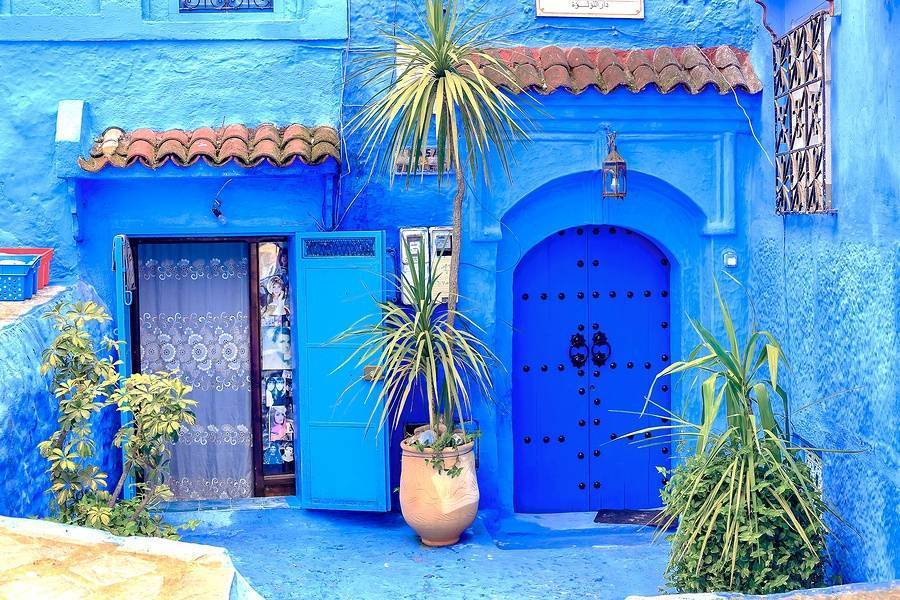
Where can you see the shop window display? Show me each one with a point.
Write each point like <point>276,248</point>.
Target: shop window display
<point>277,413</point>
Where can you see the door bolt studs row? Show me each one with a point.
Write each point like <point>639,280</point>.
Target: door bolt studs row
<point>596,293</point>
<point>596,453</point>
<point>596,373</point>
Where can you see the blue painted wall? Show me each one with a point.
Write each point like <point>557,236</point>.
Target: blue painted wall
<point>691,157</point>
<point>147,66</point>
<point>701,184</point>
<point>830,286</point>
<point>28,411</point>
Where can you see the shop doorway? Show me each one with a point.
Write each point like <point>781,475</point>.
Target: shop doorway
<point>219,312</point>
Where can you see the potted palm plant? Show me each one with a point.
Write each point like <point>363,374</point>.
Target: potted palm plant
<point>435,93</point>
<point>418,354</point>
<point>438,95</point>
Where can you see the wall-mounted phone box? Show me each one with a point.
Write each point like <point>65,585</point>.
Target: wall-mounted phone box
<point>440,244</point>
<point>437,245</point>
<point>413,241</point>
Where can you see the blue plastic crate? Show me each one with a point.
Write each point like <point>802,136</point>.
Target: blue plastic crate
<point>18,276</point>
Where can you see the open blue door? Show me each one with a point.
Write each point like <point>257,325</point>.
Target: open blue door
<point>343,461</point>
<point>123,270</point>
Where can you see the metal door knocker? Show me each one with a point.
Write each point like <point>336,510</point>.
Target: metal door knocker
<point>577,350</point>
<point>600,349</point>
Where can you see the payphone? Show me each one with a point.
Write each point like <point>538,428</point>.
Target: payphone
<point>413,241</point>
<point>440,243</point>
<point>437,245</point>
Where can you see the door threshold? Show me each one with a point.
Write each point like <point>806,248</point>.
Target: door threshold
<point>516,531</point>
<point>260,503</point>
<point>628,516</point>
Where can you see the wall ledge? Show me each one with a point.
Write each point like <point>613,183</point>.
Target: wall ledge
<point>10,312</point>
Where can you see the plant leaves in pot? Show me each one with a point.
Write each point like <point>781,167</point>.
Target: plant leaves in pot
<point>418,353</point>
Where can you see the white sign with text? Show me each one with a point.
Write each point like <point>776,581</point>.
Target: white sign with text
<point>604,9</point>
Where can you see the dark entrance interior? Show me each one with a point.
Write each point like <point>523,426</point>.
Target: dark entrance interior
<point>219,312</point>
<point>591,329</point>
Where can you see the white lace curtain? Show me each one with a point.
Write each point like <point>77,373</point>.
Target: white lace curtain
<point>194,305</point>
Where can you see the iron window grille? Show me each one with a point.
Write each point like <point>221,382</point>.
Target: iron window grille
<point>802,146</point>
<point>217,6</point>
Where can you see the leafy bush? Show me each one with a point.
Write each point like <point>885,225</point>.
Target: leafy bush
<point>749,515</point>
<point>84,383</point>
<point>772,556</point>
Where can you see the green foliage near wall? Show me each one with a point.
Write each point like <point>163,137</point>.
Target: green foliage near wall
<point>771,555</point>
<point>85,380</point>
<point>749,514</point>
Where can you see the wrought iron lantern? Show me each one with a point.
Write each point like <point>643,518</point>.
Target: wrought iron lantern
<point>615,174</point>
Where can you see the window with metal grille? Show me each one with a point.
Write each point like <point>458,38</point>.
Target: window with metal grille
<point>218,6</point>
<point>802,147</point>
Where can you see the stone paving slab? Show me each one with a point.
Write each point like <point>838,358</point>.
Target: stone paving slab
<point>286,552</point>
<point>40,559</point>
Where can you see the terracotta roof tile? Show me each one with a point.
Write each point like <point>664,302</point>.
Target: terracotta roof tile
<point>279,146</point>
<point>582,77</point>
<point>550,68</point>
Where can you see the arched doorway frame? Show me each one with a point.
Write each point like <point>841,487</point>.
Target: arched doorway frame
<point>653,208</point>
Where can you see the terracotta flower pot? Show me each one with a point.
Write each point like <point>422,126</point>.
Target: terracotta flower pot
<point>438,507</point>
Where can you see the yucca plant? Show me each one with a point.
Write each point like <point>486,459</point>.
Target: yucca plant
<point>418,355</point>
<point>749,515</point>
<point>437,94</point>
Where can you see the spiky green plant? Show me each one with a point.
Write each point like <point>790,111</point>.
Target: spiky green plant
<point>418,354</point>
<point>749,515</point>
<point>437,94</point>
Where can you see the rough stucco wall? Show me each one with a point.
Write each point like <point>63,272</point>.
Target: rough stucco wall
<point>830,287</point>
<point>377,205</point>
<point>139,84</point>
<point>666,22</point>
<point>28,411</point>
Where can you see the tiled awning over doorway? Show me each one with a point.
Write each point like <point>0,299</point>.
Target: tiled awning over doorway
<point>247,147</point>
<point>551,68</point>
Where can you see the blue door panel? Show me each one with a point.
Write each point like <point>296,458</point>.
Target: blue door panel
<point>123,277</point>
<point>338,293</point>
<point>353,478</point>
<point>610,287</point>
<point>349,407</point>
<point>344,463</point>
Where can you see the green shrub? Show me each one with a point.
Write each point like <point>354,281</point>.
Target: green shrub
<point>771,556</point>
<point>749,516</point>
<point>85,380</point>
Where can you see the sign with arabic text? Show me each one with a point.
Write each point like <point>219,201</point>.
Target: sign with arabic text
<point>604,9</point>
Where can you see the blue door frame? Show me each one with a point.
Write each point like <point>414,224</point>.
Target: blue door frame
<point>344,464</point>
<point>591,328</point>
<point>123,276</point>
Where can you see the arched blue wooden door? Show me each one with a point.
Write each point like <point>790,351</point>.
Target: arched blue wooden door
<point>591,329</point>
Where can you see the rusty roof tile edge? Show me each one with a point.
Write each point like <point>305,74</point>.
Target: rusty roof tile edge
<point>111,147</point>
<point>531,73</point>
